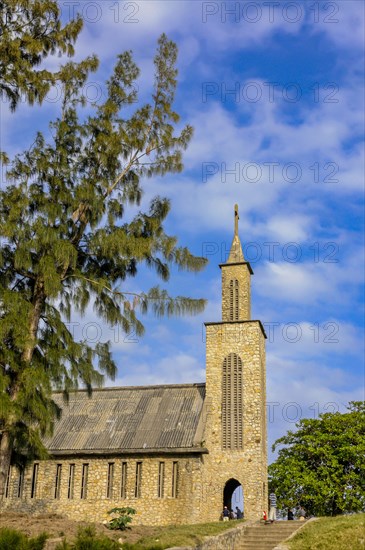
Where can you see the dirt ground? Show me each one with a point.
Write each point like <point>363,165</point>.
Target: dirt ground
<point>58,526</point>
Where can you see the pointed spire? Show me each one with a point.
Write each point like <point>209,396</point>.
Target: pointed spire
<point>236,254</point>
<point>236,218</point>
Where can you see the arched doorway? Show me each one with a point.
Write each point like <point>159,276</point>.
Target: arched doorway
<point>233,494</point>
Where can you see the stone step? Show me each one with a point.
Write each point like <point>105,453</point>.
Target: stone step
<point>276,526</point>
<point>275,534</point>
<point>272,529</point>
<point>267,536</point>
<point>273,541</point>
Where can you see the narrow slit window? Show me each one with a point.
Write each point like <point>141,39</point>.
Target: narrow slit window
<point>20,483</point>
<point>137,488</point>
<point>109,486</point>
<point>71,481</point>
<point>175,479</point>
<point>123,485</point>
<point>84,478</point>
<point>33,490</point>
<point>233,300</point>
<point>57,488</point>
<point>161,480</point>
<point>7,486</point>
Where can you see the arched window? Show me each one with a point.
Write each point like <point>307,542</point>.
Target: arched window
<point>233,300</point>
<point>232,422</point>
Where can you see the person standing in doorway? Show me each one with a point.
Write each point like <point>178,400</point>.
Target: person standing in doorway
<point>272,513</point>
<point>225,514</point>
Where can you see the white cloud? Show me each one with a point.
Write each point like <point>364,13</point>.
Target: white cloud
<point>294,282</point>
<point>179,368</point>
<point>301,341</point>
<point>298,388</point>
<point>295,228</point>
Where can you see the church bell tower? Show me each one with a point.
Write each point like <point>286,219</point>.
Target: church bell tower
<point>236,281</point>
<point>236,433</point>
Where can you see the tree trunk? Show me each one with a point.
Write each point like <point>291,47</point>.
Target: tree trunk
<point>38,303</point>
<point>6,447</point>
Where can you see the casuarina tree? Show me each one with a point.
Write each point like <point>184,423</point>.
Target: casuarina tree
<point>31,30</point>
<point>72,236</point>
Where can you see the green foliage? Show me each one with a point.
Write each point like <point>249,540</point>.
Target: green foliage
<point>123,518</point>
<point>15,540</point>
<point>30,30</point>
<point>321,465</point>
<point>87,539</point>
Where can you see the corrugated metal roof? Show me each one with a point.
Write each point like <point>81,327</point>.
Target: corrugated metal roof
<point>129,419</point>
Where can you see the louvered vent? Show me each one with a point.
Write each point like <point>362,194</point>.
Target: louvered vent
<point>232,424</point>
<point>233,300</point>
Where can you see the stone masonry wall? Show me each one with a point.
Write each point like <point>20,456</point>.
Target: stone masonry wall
<point>264,426</point>
<point>249,465</point>
<point>241,273</point>
<point>151,509</point>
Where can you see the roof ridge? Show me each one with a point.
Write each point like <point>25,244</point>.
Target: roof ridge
<point>153,386</point>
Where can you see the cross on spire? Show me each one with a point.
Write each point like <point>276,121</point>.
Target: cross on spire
<point>236,218</point>
<point>236,254</point>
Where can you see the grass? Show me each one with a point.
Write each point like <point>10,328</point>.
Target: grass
<point>180,535</point>
<point>338,533</point>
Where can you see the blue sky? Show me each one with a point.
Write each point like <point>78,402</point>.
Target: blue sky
<point>275,93</point>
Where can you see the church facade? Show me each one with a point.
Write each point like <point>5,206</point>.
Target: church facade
<point>175,453</point>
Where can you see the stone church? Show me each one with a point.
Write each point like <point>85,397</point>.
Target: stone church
<point>175,453</point>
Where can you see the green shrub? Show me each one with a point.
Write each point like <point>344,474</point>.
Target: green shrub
<point>88,540</point>
<point>10,539</point>
<point>123,519</point>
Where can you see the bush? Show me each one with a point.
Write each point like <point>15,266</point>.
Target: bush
<point>88,540</point>
<point>10,539</point>
<point>123,519</point>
